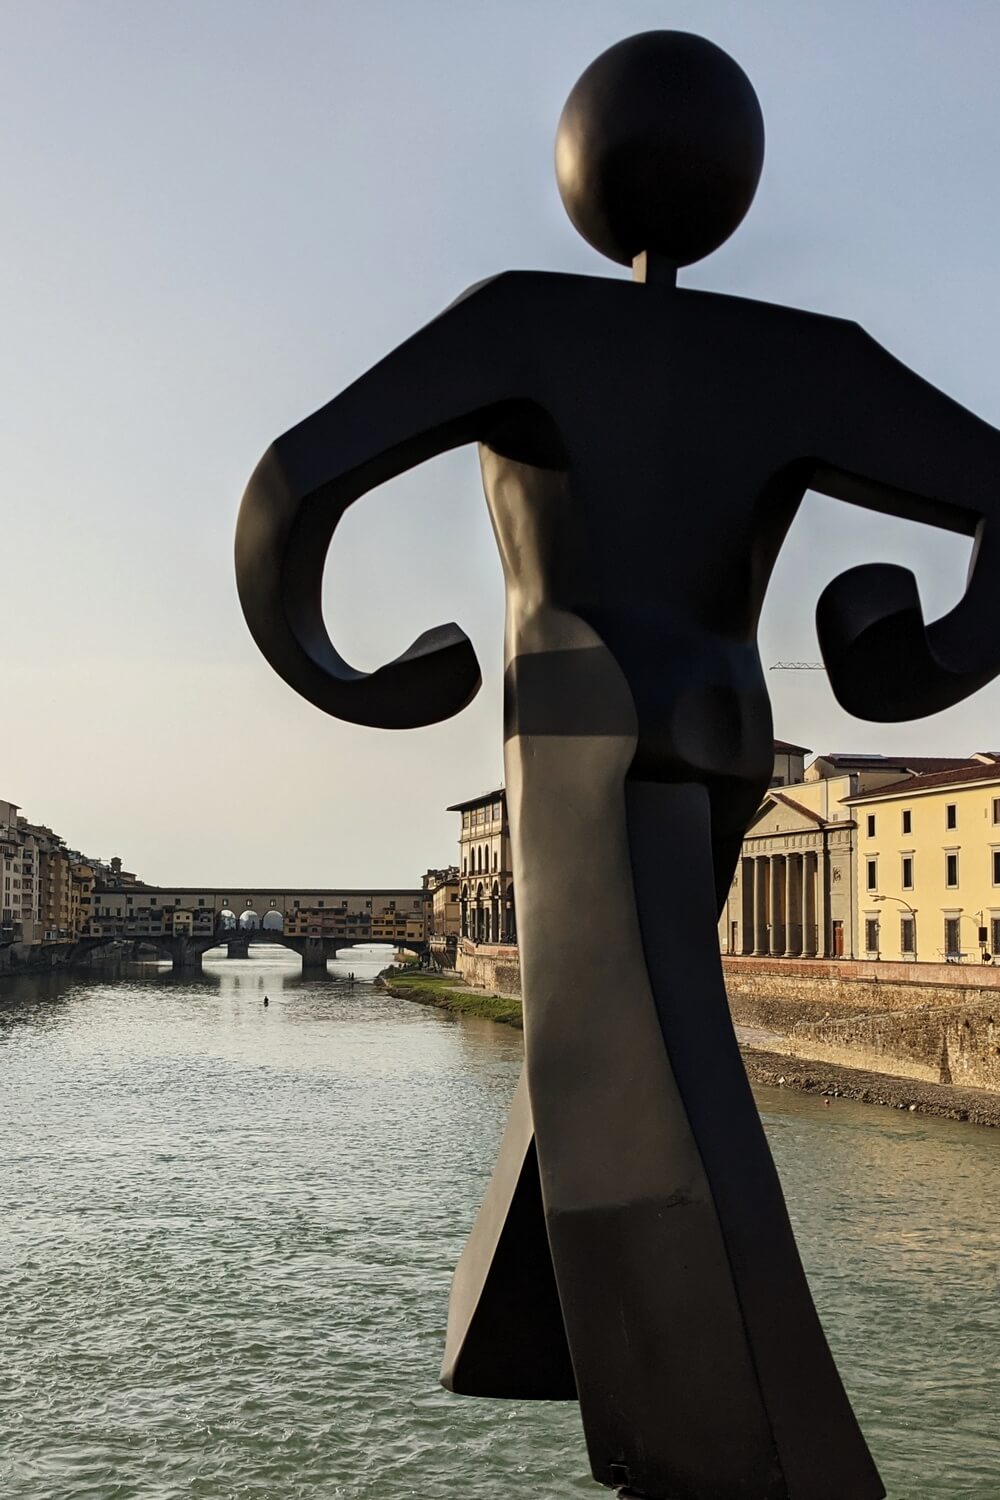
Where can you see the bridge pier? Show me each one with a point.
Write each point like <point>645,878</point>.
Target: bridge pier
<point>238,947</point>
<point>314,956</point>
<point>184,958</point>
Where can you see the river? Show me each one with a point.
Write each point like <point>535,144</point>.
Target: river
<point>227,1232</point>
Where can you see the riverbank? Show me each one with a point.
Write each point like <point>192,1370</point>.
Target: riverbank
<point>947,1102</point>
<point>445,993</point>
<point>764,1066</point>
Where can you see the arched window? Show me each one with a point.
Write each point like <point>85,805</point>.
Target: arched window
<point>494,859</point>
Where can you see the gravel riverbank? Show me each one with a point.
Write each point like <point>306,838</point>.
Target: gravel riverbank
<point>770,1069</point>
<point>775,1070</point>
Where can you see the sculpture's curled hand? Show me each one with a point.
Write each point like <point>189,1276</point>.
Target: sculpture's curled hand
<point>450,384</point>
<point>885,663</point>
<point>281,544</point>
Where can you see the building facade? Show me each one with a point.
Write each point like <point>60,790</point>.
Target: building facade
<point>928,865</point>
<point>19,878</point>
<point>797,891</point>
<point>486,898</point>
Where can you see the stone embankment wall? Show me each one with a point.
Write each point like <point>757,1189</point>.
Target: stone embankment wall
<point>936,1023</point>
<point>933,1023</point>
<point>495,967</point>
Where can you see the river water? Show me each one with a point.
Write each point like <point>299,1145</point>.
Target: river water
<point>227,1233</point>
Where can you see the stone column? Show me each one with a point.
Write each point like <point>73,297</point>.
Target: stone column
<point>747,867</point>
<point>777,947</point>
<point>760,879</point>
<point>822,914</point>
<point>793,905</point>
<point>809,905</point>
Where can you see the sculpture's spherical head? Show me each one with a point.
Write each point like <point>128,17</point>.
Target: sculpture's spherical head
<point>659,148</point>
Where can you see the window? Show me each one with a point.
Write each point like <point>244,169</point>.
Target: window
<point>871,934</point>
<point>908,819</point>
<point>952,942</point>
<point>871,874</point>
<point>951,870</point>
<point>995,929</point>
<point>951,816</point>
<point>996,809</point>
<point>871,825</point>
<point>907,936</point>
<point>996,866</point>
<point>907,872</point>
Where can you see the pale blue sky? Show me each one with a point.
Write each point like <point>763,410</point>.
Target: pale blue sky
<point>216,214</point>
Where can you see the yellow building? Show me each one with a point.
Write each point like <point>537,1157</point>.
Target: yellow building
<point>928,866</point>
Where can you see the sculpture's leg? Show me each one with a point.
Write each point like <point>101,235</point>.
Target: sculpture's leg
<point>668,1391</point>
<point>505,1330</point>
<point>821,1451</point>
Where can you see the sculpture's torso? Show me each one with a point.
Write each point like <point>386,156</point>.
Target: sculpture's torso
<point>656,510</point>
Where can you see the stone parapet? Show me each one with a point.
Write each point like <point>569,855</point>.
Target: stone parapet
<point>495,967</point>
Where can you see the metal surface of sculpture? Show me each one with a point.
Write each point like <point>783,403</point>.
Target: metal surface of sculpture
<point>644,449</point>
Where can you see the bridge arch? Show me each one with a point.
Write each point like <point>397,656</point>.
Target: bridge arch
<point>226,919</point>
<point>273,922</point>
<point>249,921</point>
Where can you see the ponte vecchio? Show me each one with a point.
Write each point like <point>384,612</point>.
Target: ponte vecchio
<point>184,922</point>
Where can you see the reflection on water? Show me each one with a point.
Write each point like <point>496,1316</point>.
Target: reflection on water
<point>227,1233</point>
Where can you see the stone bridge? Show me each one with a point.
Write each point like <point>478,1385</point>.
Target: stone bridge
<point>184,922</point>
<point>185,950</point>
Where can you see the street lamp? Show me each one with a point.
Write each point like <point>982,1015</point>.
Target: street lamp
<point>981,932</point>
<point>913,913</point>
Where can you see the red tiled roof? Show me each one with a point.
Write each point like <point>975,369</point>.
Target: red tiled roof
<point>494,796</point>
<point>916,763</point>
<point>958,776</point>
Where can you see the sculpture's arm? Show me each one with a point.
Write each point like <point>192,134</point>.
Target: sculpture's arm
<point>440,389</point>
<point>895,444</point>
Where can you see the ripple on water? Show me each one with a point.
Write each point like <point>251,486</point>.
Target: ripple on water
<point>228,1234</point>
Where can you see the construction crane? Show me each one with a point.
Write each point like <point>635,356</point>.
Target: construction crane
<point>796,666</point>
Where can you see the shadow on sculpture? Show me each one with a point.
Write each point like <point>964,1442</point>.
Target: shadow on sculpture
<point>644,450</point>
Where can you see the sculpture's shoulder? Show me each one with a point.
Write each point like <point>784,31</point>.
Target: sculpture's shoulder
<point>527,289</point>
<point>770,320</point>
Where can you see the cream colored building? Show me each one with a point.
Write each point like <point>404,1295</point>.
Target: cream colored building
<point>928,865</point>
<point>445,890</point>
<point>795,891</point>
<point>486,870</point>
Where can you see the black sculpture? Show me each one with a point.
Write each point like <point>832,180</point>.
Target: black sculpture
<point>644,450</point>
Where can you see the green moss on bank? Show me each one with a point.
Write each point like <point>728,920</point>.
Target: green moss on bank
<point>446,994</point>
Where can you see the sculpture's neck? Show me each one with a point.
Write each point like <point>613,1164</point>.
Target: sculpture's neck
<point>654,269</point>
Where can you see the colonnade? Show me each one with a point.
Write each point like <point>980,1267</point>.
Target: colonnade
<point>488,917</point>
<point>785,906</point>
